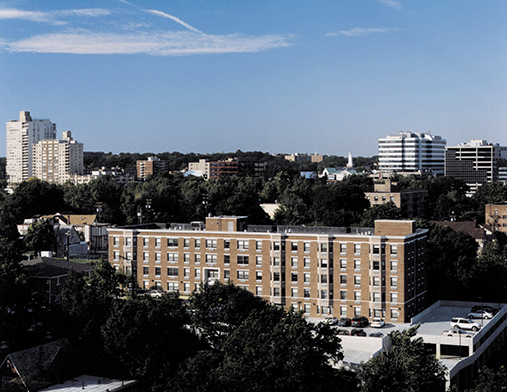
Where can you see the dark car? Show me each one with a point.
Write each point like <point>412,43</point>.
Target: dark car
<point>376,334</point>
<point>360,321</point>
<point>357,332</point>
<point>344,322</point>
<point>332,320</point>
<point>342,332</point>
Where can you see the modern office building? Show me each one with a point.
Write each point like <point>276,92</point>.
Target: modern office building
<point>58,160</point>
<point>411,152</point>
<point>22,135</point>
<point>322,271</point>
<point>476,162</point>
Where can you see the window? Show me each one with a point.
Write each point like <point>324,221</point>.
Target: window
<point>276,276</point>
<point>258,260</point>
<point>157,271</point>
<point>343,294</point>
<point>227,274</point>
<point>394,281</point>
<point>258,245</point>
<point>343,311</point>
<point>294,292</point>
<point>172,242</point>
<point>394,266</point>
<point>128,241</point>
<point>357,296</point>
<point>323,263</point>
<point>376,265</point>
<point>394,250</point>
<point>116,255</point>
<point>357,265</point>
<point>376,249</point>
<point>376,297</point>
<point>323,279</point>
<point>158,242</point>
<point>146,257</point>
<point>128,255</point>
<point>357,311</point>
<point>323,294</point>
<point>323,247</point>
<point>186,258</point>
<point>394,297</point>
<point>258,290</point>
<point>357,249</point>
<point>306,262</point>
<point>172,286</point>
<point>307,278</point>
<point>116,241</point>
<point>243,244</point>
<point>197,258</point>
<point>376,281</point>
<point>276,291</point>
<point>343,279</point>
<point>227,244</point>
<point>276,246</point>
<point>343,263</point>
<point>186,272</point>
<point>307,308</point>
<point>211,258</point>
<point>357,280</point>
<point>258,275</point>
<point>276,261</point>
<point>197,274</point>
<point>197,243</point>
<point>294,246</point>
<point>186,242</point>
<point>227,259</point>
<point>343,249</point>
<point>146,271</point>
<point>186,287</point>
<point>306,247</point>
<point>242,260</point>
<point>158,257</point>
<point>294,278</point>
<point>146,242</point>
<point>394,313</point>
<point>172,257</point>
<point>243,275</point>
<point>306,293</point>
<point>294,262</point>
<point>211,244</point>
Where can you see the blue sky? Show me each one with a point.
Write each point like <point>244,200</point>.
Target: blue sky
<point>280,76</point>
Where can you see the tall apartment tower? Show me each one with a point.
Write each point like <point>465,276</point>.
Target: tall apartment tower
<point>411,152</point>
<point>22,134</point>
<point>476,162</point>
<point>56,160</point>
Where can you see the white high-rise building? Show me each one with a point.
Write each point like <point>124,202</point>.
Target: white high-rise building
<point>411,152</point>
<point>57,160</point>
<point>22,134</point>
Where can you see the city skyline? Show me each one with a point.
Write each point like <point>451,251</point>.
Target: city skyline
<point>284,77</point>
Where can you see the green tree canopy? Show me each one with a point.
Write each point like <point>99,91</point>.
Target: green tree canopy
<point>40,236</point>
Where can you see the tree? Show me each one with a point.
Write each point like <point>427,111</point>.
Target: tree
<point>381,211</point>
<point>407,367</point>
<point>489,380</point>
<point>40,236</point>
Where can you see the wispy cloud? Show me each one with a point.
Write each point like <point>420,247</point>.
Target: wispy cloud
<point>51,17</point>
<point>159,43</point>
<point>177,20</point>
<point>361,32</point>
<point>93,12</point>
<point>391,3</point>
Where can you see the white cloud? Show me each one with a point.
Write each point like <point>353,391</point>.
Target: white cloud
<point>361,32</point>
<point>92,12</point>
<point>158,43</point>
<point>177,20</point>
<point>391,3</point>
<point>52,16</point>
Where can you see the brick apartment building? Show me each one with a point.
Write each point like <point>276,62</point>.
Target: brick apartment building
<point>323,271</point>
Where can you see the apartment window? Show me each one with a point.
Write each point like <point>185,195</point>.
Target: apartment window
<point>197,258</point>
<point>294,278</point>
<point>306,293</point>
<point>376,297</point>
<point>172,286</point>
<point>197,274</point>
<point>323,279</point>
<point>128,241</point>
<point>186,287</point>
<point>211,244</point>
<point>306,246</point>
<point>294,292</point>
<point>343,294</point>
<point>157,271</point>
<point>323,294</point>
<point>116,241</point>
<point>227,244</point>
<point>376,249</point>
<point>243,275</point>
<point>323,247</point>
<point>343,263</point>
<point>394,313</point>
<point>146,257</point>
<point>357,280</point>
<point>307,308</point>
<point>357,249</point>
<point>323,263</point>
<point>343,279</point>
<point>276,246</point>
<point>394,250</point>
<point>376,264</point>
<point>394,266</point>
<point>258,260</point>
<point>306,278</point>
<point>158,257</point>
<point>258,245</point>
<point>394,281</point>
<point>294,262</point>
<point>258,290</point>
<point>357,265</point>
<point>276,276</point>
<point>276,291</point>
<point>172,257</point>
<point>116,255</point>
<point>197,243</point>
<point>343,249</point>
<point>172,242</point>
<point>242,260</point>
<point>158,242</point>
<point>227,274</point>
<point>258,275</point>
<point>172,271</point>
<point>357,311</point>
<point>306,261</point>
<point>376,281</point>
<point>357,296</point>
<point>186,258</point>
<point>243,244</point>
<point>211,258</point>
<point>146,271</point>
<point>186,272</point>
<point>186,242</point>
<point>146,242</point>
<point>276,261</point>
<point>343,311</point>
<point>294,246</point>
<point>394,297</point>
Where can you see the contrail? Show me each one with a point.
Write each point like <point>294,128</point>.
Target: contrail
<point>177,20</point>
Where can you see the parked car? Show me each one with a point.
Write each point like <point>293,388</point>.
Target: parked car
<point>377,322</point>
<point>332,320</point>
<point>376,334</point>
<point>360,321</point>
<point>342,332</point>
<point>457,332</point>
<point>481,314</point>
<point>484,307</point>
<point>357,332</point>
<point>344,322</point>
<point>464,323</point>
<point>155,294</point>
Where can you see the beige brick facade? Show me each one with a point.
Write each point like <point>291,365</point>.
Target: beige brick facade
<point>322,271</point>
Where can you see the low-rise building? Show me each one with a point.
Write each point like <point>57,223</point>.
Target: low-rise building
<point>151,166</point>
<point>376,272</point>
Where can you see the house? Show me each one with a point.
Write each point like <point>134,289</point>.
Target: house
<point>480,234</point>
<point>334,174</point>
